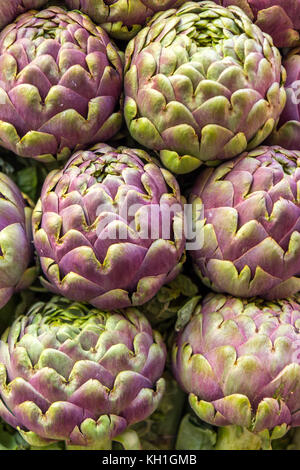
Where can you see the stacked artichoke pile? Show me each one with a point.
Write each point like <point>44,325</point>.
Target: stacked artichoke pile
<point>149,224</point>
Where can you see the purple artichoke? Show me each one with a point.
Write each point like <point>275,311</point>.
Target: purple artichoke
<point>75,374</point>
<point>279,18</point>
<point>288,131</point>
<point>10,9</point>
<point>15,241</point>
<point>61,81</point>
<point>109,228</point>
<point>239,361</point>
<point>202,84</point>
<point>249,216</point>
<point>122,19</point>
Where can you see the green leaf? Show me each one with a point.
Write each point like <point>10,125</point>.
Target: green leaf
<point>27,180</point>
<point>195,435</point>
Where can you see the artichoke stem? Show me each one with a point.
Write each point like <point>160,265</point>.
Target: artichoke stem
<point>99,445</point>
<point>128,439</point>
<point>237,438</point>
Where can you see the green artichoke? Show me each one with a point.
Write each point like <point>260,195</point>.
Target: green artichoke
<point>75,374</point>
<point>109,228</point>
<point>248,212</point>
<point>279,18</point>
<point>15,241</point>
<point>202,84</point>
<point>122,19</point>
<point>239,361</point>
<point>60,84</point>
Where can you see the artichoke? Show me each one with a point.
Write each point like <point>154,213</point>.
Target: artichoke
<point>279,18</point>
<point>9,9</point>
<point>202,84</point>
<point>248,212</point>
<point>122,19</point>
<point>15,241</point>
<point>239,361</point>
<point>75,374</point>
<point>109,228</point>
<point>288,132</point>
<point>61,81</point>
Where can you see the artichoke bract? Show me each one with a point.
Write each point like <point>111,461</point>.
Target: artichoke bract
<point>109,228</point>
<point>239,361</point>
<point>73,373</point>
<point>288,132</point>
<point>248,212</point>
<point>202,84</point>
<point>15,241</point>
<point>122,19</point>
<point>60,84</point>
<point>10,9</point>
<point>279,18</point>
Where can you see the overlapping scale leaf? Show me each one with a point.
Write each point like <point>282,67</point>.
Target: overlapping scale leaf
<point>239,362</point>
<point>60,84</point>
<point>279,18</point>
<point>16,270</point>
<point>122,19</point>
<point>9,10</point>
<point>202,84</point>
<point>287,133</point>
<point>109,228</point>
<point>69,370</point>
<point>248,215</point>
